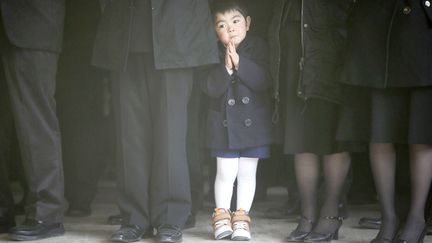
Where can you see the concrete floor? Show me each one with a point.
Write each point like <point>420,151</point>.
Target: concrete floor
<point>94,229</point>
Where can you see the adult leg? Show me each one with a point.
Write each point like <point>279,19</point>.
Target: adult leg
<point>307,173</point>
<point>170,196</point>
<point>336,168</point>
<point>383,164</point>
<point>421,177</point>
<point>31,81</point>
<point>134,141</point>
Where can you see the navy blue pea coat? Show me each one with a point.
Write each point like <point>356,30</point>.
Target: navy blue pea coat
<point>240,107</point>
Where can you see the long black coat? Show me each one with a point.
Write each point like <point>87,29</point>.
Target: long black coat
<point>240,104</point>
<point>323,29</point>
<point>182,34</point>
<point>34,24</point>
<point>389,47</point>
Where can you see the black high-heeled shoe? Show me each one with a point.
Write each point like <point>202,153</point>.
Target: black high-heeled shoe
<point>299,235</point>
<point>380,239</point>
<point>321,237</point>
<point>383,240</point>
<point>419,239</point>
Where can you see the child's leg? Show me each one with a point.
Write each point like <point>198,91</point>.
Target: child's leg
<point>225,176</point>
<point>246,182</point>
<point>227,169</point>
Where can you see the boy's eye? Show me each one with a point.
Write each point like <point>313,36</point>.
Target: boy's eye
<point>221,26</point>
<point>235,21</point>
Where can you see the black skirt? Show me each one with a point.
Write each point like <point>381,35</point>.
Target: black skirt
<point>392,115</point>
<point>311,126</point>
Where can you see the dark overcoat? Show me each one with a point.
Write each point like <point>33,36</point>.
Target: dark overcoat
<point>34,24</point>
<point>240,109</point>
<point>180,34</point>
<point>389,44</point>
<point>323,35</point>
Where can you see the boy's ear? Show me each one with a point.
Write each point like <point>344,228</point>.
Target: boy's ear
<point>248,22</point>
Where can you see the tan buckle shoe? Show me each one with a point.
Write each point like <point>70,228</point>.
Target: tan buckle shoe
<point>222,223</point>
<point>241,226</point>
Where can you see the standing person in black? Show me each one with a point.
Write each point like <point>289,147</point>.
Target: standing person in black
<point>397,70</point>
<point>32,37</point>
<point>151,47</point>
<point>307,43</point>
<point>87,135</point>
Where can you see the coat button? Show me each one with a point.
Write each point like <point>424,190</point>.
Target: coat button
<point>248,122</point>
<point>305,25</point>
<point>225,123</point>
<point>231,102</point>
<point>407,10</point>
<point>245,100</point>
<point>427,3</point>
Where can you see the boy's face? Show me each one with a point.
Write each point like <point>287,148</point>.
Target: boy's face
<point>231,26</point>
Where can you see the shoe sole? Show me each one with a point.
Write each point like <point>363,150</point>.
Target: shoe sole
<point>223,235</point>
<point>240,238</point>
<point>54,233</point>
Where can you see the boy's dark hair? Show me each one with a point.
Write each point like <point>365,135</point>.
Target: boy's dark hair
<point>223,6</point>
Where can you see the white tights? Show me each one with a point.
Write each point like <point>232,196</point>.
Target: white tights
<point>228,169</point>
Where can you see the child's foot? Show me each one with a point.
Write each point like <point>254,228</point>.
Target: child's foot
<point>222,223</point>
<point>240,221</point>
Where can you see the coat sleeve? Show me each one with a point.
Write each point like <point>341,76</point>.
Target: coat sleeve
<point>253,71</point>
<point>218,81</point>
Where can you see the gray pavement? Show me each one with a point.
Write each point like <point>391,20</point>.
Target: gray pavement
<point>94,229</point>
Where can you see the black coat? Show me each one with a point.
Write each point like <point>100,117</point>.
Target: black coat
<point>240,109</point>
<point>182,34</point>
<point>323,29</point>
<point>34,24</point>
<point>389,47</point>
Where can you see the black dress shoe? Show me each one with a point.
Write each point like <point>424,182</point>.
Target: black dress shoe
<point>131,233</point>
<point>78,212</point>
<point>169,234</point>
<point>33,229</point>
<point>370,223</point>
<point>115,219</point>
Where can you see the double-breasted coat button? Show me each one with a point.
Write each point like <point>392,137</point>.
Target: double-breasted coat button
<point>248,122</point>
<point>245,100</point>
<point>407,10</point>
<point>225,123</point>
<point>231,102</point>
<point>427,3</point>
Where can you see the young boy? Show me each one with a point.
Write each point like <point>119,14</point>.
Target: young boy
<point>239,117</point>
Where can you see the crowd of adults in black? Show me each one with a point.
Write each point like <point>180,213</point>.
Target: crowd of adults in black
<point>78,82</point>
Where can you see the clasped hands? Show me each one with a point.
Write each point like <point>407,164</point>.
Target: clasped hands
<point>232,58</point>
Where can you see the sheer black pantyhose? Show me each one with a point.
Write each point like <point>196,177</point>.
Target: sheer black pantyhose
<point>383,164</point>
<point>307,173</point>
<point>307,167</point>
<point>421,176</point>
<point>336,167</point>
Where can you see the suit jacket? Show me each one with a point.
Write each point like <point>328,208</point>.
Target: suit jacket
<point>34,24</point>
<point>182,34</point>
